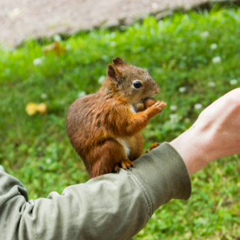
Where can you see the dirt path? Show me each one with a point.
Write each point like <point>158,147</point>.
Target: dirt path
<point>25,19</point>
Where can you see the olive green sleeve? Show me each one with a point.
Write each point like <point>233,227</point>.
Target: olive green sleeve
<point>113,206</point>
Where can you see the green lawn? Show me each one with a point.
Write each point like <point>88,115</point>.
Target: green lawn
<point>194,57</point>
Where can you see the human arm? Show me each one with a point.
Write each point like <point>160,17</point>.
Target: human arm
<point>112,206</point>
<point>117,206</point>
<point>215,134</point>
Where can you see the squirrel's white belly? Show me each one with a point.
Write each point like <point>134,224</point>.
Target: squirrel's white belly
<point>125,145</point>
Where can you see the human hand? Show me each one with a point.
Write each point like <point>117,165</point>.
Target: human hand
<point>215,134</point>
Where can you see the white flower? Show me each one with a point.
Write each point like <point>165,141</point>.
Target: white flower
<point>213,46</point>
<point>81,94</point>
<point>233,82</point>
<point>102,79</point>
<point>205,34</point>
<point>112,44</point>
<point>173,108</point>
<point>174,118</point>
<point>212,84</point>
<point>44,96</point>
<point>48,160</point>
<point>38,61</point>
<point>198,106</point>
<point>182,89</point>
<point>216,60</point>
<point>57,38</point>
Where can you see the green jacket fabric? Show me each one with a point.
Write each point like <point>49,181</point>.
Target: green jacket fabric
<point>112,206</point>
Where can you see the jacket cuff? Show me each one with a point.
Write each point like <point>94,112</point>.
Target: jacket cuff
<point>163,176</point>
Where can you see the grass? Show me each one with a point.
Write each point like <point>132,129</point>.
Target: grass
<point>195,59</point>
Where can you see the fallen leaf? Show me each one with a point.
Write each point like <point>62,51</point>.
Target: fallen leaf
<point>34,108</point>
<point>42,108</point>
<point>31,109</point>
<point>56,48</point>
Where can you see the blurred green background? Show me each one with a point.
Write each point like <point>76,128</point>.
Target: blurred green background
<point>195,58</point>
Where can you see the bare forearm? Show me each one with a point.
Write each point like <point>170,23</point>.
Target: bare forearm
<point>214,135</point>
<point>192,152</point>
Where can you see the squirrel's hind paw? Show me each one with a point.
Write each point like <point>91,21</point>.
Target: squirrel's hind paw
<point>126,164</point>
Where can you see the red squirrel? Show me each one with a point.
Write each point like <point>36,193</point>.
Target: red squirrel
<point>105,127</point>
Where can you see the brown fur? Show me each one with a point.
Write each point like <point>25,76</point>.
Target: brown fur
<point>102,126</point>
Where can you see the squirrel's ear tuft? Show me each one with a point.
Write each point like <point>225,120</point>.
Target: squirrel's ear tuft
<point>118,61</point>
<point>112,72</point>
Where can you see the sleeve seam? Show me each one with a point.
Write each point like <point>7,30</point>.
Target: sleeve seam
<point>146,195</point>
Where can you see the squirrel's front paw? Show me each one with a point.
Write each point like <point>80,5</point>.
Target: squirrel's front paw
<point>158,107</point>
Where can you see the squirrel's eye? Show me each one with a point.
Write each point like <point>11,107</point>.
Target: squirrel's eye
<point>137,84</point>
